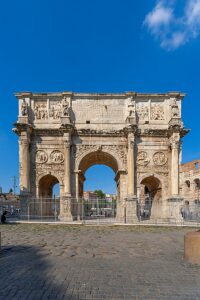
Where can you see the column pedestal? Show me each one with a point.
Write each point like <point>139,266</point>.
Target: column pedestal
<point>65,209</point>
<point>24,205</point>
<point>175,203</point>
<point>131,211</point>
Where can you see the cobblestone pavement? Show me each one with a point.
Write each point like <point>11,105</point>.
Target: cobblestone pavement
<point>76,262</point>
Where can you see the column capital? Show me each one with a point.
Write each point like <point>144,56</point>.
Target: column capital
<point>67,144</point>
<point>175,140</point>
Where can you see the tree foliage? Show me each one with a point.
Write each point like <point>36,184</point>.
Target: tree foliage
<point>100,194</point>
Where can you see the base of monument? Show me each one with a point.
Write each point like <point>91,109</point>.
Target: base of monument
<point>192,247</point>
<point>175,204</point>
<point>67,218</point>
<point>131,210</point>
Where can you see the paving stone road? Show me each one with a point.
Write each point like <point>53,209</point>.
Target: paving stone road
<point>112,263</point>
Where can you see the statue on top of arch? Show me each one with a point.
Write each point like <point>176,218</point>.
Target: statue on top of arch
<point>131,111</point>
<point>65,107</point>
<point>175,113</point>
<point>24,108</point>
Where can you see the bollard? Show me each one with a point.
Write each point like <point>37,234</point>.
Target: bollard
<point>192,247</point>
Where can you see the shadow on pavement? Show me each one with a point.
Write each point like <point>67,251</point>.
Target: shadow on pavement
<point>24,274</point>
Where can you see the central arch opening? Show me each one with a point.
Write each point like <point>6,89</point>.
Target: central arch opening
<point>98,185</point>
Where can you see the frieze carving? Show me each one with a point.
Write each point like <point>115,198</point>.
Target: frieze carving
<point>40,111</point>
<point>159,158</point>
<point>157,112</point>
<point>100,132</point>
<point>56,157</point>
<point>55,109</point>
<point>41,156</point>
<point>143,112</point>
<point>155,132</point>
<point>142,158</point>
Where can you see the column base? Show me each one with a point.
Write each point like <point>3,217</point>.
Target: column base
<point>66,209</point>
<point>24,198</point>
<point>131,210</point>
<point>175,203</point>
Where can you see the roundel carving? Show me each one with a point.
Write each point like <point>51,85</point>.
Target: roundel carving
<point>159,158</point>
<point>56,157</point>
<point>142,158</point>
<point>41,156</point>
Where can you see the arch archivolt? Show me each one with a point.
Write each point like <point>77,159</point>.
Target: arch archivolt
<point>118,153</point>
<point>162,178</point>
<point>54,174</point>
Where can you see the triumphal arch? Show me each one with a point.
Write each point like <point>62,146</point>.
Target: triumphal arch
<point>138,135</point>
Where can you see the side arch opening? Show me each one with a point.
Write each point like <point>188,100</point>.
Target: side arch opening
<point>150,197</point>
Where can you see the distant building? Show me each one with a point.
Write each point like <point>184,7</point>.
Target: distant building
<point>89,195</point>
<point>9,202</point>
<point>190,181</point>
<point>111,197</point>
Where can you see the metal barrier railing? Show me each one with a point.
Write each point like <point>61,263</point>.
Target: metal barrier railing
<point>100,211</point>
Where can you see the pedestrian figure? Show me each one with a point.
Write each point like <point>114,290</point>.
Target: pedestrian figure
<point>3,217</point>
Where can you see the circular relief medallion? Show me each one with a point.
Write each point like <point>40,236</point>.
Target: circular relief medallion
<point>159,158</point>
<point>56,157</point>
<point>142,158</point>
<point>41,156</point>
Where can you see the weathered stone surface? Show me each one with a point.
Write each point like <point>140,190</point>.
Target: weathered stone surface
<point>192,247</point>
<point>68,262</point>
<point>138,135</point>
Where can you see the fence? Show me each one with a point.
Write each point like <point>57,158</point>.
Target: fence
<point>102,211</point>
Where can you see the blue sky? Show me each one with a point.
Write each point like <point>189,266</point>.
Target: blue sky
<point>97,46</point>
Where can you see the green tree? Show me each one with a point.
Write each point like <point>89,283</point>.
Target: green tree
<point>100,194</point>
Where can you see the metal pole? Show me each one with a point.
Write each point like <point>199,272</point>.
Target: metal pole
<point>82,210</point>
<point>41,209</point>
<point>55,209</point>
<point>28,212</point>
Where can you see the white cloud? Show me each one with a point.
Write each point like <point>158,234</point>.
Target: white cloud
<point>172,31</point>
<point>160,15</point>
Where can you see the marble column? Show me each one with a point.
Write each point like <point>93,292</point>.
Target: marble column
<point>66,206</point>
<point>175,202</point>
<point>67,169</point>
<point>131,200</point>
<point>24,163</point>
<point>131,166</point>
<point>175,142</point>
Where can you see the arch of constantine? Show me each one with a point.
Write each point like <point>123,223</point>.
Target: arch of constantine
<point>139,136</point>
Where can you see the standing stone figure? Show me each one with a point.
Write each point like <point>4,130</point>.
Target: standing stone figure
<point>65,107</point>
<point>24,108</point>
